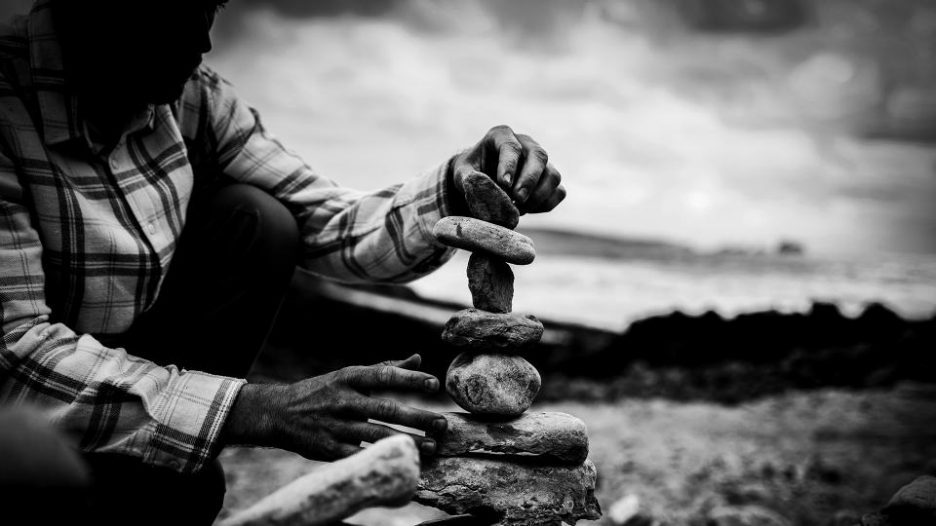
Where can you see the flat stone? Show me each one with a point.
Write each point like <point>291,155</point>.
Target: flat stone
<point>485,331</point>
<point>556,437</point>
<point>488,202</point>
<point>490,281</point>
<point>515,494</point>
<point>492,384</point>
<point>476,235</point>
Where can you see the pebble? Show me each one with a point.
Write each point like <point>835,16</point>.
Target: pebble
<point>492,384</point>
<point>488,202</point>
<point>476,235</point>
<point>489,331</point>
<point>490,281</point>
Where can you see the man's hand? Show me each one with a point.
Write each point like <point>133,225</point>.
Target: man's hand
<point>518,165</point>
<point>326,417</point>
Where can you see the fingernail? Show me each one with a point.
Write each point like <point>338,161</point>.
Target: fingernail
<point>440,425</point>
<point>432,385</point>
<point>522,195</point>
<point>508,179</point>
<point>428,446</point>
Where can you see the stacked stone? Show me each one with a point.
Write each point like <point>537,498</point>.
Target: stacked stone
<point>497,461</point>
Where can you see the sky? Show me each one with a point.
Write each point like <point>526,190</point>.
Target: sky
<point>659,130</point>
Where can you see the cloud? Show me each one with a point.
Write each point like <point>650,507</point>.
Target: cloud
<point>659,131</point>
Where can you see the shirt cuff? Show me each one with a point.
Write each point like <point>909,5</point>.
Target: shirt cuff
<point>188,419</point>
<point>434,192</point>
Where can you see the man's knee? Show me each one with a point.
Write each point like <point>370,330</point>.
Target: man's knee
<point>274,234</point>
<point>122,486</point>
<point>37,467</point>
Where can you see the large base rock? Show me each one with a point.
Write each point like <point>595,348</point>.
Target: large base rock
<point>557,437</point>
<point>514,493</point>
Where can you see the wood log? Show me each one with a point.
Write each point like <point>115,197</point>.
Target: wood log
<point>384,474</point>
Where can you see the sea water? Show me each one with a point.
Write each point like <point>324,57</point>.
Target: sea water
<point>610,293</point>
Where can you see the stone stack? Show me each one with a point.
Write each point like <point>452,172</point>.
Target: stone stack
<point>497,461</point>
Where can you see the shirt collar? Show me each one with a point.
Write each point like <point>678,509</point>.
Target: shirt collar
<point>58,104</point>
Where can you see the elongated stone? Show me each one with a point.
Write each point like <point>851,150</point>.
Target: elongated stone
<point>513,493</point>
<point>490,281</point>
<point>488,202</point>
<point>484,331</point>
<point>385,474</point>
<point>554,437</point>
<point>480,236</point>
<point>492,384</point>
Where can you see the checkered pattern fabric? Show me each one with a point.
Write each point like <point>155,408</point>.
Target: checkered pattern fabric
<point>86,236</point>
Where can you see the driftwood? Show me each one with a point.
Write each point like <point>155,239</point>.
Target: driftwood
<point>384,474</point>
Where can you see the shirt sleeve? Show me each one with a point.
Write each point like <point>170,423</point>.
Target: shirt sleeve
<point>104,399</point>
<point>348,235</point>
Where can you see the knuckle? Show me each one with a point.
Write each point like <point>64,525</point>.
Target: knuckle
<point>539,154</point>
<point>388,408</point>
<point>385,375</point>
<point>512,147</point>
<point>500,129</point>
<point>557,177</point>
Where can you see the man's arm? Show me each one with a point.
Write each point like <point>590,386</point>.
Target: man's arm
<point>105,399</point>
<point>357,236</point>
<point>347,235</point>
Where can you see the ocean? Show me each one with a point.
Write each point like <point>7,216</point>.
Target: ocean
<point>610,292</point>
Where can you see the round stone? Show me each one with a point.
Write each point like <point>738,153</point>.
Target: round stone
<point>492,384</point>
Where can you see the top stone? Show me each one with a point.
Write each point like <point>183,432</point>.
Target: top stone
<point>475,235</point>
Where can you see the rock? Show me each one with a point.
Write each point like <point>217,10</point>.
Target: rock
<point>555,437</point>
<point>514,493</point>
<point>750,515</point>
<point>488,202</point>
<point>492,384</point>
<point>914,503</point>
<point>490,331</point>
<point>490,281</point>
<point>624,510</point>
<point>384,474</point>
<point>480,236</point>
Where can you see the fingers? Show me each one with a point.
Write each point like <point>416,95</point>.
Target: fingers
<point>534,160</point>
<point>413,362</point>
<point>507,149</point>
<point>393,412</point>
<point>548,192</point>
<point>523,170</point>
<point>357,432</point>
<point>392,377</point>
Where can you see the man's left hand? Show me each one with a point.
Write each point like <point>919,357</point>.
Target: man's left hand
<point>517,164</point>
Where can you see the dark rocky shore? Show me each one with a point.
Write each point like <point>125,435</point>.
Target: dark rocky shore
<point>676,356</point>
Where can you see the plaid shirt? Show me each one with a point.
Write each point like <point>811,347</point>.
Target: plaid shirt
<point>87,235</point>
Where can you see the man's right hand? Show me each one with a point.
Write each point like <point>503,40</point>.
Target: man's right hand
<point>326,417</point>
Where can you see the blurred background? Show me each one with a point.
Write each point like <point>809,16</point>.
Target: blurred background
<point>739,291</point>
<point>699,139</point>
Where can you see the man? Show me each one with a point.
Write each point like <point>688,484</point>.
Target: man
<point>149,227</point>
